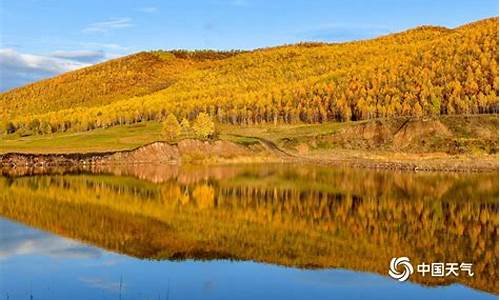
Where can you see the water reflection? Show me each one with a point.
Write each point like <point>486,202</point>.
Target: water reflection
<point>290,215</point>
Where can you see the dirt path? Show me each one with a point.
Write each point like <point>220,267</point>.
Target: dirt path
<point>271,147</point>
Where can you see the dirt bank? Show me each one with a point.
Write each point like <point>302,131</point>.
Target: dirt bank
<point>450,135</point>
<point>158,152</point>
<point>193,151</point>
<point>465,143</point>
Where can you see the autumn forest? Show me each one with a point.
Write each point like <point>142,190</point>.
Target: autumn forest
<point>426,71</point>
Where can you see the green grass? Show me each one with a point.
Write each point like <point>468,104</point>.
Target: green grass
<point>483,128</point>
<point>280,132</point>
<point>133,136</point>
<point>242,140</point>
<point>99,140</point>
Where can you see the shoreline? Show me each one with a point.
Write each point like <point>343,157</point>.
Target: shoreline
<point>225,152</point>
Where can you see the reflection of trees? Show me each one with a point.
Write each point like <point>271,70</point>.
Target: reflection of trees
<point>309,217</point>
<point>156,173</point>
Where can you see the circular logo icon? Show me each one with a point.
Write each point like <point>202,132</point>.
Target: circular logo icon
<point>394,270</point>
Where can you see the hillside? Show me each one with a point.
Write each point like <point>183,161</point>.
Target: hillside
<point>425,71</point>
<point>135,75</point>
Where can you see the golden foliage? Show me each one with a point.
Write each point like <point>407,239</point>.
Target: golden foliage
<point>203,126</point>
<point>421,72</point>
<point>171,127</point>
<point>118,79</point>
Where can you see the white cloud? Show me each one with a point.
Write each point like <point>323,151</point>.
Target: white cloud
<point>148,9</point>
<point>21,68</point>
<point>85,56</point>
<point>109,25</point>
<point>10,59</point>
<point>105,45</point>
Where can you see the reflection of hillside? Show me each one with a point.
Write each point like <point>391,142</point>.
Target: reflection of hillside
<point>150,172</point>
<point>288,215</point>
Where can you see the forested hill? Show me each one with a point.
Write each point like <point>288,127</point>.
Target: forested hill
<point>135,75</point>
<point>420,72</point>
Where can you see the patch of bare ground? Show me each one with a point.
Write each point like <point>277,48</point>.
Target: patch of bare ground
<point>453,143</point>
<point>185,151</point>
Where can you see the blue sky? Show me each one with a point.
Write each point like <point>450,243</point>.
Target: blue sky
<point>41,38</point>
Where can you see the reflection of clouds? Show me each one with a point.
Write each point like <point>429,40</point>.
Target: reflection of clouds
<point>103,263</point>
<point>17,239</point>
<point>99,283</point>
<point>342,278</point>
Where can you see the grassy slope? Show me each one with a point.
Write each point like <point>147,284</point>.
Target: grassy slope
<point>132,136</point>
<point>99,140</point>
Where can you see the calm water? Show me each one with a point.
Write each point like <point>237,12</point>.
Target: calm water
<point>243,232</point>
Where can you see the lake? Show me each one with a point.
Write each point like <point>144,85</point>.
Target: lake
<point>268,231</point>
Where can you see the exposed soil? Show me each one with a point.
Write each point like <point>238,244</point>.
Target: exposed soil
<point>470,135</point>
<point>158,152</point>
